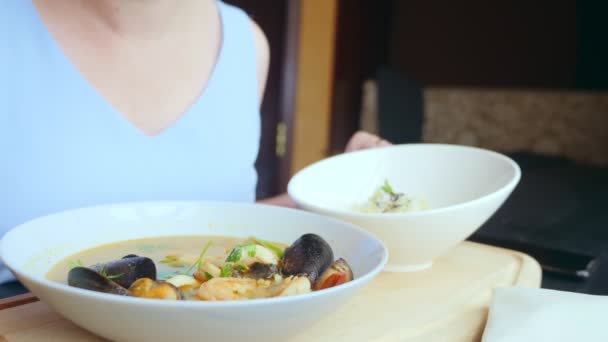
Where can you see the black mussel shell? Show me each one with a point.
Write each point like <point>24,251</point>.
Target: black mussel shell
<point>127,270</point>
<point>259,270</point>
<point>88,279</point>
<point>309,255</point>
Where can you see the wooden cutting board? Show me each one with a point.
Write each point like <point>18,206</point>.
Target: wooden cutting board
<point>449,302</point>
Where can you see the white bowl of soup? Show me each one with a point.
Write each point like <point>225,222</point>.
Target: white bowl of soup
<point>222,271</point>
<point>421,200</point>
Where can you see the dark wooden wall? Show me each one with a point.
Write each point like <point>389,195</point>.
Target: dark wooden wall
<point>469,43</point>
<point>361,44</point>
<point>515,43</point>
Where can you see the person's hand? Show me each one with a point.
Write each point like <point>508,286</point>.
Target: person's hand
<point>359,141</point>
<point>364,140</point>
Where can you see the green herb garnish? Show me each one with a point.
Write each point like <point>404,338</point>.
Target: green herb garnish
<point>173,261</point>
<point>114,276</point>
<point>208,276</point>
<point>104,273</point>
<point>279,252</point>
<point>388,188</point>
<point>251,249</point>
<point>241,268</point>
<point>170,259</point>
<point>199,262</point>
<point>74,264</point>
<point>226,271</point>
<point>393,196</point>
<point>235,254</point>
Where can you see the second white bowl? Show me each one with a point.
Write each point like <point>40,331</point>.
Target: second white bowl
<point>463,187</point>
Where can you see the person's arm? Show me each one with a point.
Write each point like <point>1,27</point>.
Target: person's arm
<point>263,64</point>
<point>282,200</point>
<point>262,50</point>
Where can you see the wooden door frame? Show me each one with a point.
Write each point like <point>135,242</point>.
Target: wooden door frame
<point>289,80</point>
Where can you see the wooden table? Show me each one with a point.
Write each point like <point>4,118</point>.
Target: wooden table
<point>446,303</point>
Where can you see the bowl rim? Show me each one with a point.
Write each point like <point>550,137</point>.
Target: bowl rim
<point>510,185</point>
<point>42,281</point>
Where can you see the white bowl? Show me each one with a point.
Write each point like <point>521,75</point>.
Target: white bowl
<point>463,187</point>
<point>30,250</point>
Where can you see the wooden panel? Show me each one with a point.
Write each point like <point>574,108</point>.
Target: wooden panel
<point>314,84</point>
<point>17,301</point>
<point>480,43</point>
<point>290,84</point>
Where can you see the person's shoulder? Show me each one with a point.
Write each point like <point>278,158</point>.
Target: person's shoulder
<point>262,49</point>
<point>261,44</point>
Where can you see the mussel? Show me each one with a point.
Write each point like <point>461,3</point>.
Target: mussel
<point>159,289</point>
<point>309,255</point>
<point>113,277</point>
<point>338,273</point>
<point>261,271</point>
<point>88,279</point>
<point>127,270</point>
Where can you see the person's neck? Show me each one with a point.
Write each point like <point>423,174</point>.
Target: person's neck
<point>142,18</point>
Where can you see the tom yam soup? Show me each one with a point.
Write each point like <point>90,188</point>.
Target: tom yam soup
<point>208,268</point>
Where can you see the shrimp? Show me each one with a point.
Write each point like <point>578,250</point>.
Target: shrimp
<point>231,288</point>
<point>207,271</point>
<point>248,288</point>
<point>293,286</point>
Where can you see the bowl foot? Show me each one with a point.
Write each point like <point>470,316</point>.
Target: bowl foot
<point>408,268</point>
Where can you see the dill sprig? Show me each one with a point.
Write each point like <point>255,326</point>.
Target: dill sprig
<point>278,251</point>
<point>199,262</point>
<point>104,272</point>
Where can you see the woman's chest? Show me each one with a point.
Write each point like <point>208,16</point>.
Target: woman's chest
<point>150,78</point>
<point>64,149</point>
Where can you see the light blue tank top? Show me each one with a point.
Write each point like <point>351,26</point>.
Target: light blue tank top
<point>62,146</point>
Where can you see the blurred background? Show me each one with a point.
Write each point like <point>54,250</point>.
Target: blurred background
<point>526,78</point>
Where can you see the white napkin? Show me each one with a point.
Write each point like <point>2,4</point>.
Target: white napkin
<point>522,314</point>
